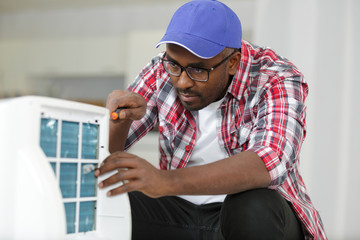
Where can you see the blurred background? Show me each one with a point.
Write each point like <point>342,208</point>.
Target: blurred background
<point>83,49</point>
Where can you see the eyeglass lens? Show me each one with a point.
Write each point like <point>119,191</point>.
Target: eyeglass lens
<point>194,73</point>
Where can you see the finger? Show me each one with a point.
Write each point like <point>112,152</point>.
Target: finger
<point>109,164</point>
<point>123,98</point>
<point>121,175</point>
<point>115,161</point>
<point>113,99</point>
<point>127,187</point>
<point>133,113</point>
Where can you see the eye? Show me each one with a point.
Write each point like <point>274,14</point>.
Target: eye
<point>196,70</point>
<point>171,64</point>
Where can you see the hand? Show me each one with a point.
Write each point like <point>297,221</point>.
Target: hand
<point>138,174</point>
<point>134,104</point>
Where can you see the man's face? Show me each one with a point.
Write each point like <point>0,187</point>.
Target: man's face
<point>196,95</point>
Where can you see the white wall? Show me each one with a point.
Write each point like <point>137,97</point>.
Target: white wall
<point>321,37</point>
<point>109,40</point>
<point>25,60</point>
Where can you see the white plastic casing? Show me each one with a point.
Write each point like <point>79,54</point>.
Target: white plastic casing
<point>31,203</point>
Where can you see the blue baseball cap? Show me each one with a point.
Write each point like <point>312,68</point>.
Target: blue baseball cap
<point>204,27</point>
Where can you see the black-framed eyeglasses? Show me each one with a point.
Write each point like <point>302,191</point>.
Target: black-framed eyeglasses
<point>194,73</point>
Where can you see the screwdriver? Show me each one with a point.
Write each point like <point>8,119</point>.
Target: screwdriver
<point>115,115</point>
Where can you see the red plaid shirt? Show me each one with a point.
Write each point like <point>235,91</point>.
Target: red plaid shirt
<point>263,111</point>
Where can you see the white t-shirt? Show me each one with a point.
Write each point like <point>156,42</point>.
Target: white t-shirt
<point>207,148</point>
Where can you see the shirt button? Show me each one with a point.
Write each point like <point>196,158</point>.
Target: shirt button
<point>161,129</point>
<point>188,148</point>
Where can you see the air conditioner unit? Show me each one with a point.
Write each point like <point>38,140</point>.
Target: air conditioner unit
<point>49,149</point>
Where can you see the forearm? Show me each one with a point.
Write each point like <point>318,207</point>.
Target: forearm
<point>238,173</point>
<point>118,132</point>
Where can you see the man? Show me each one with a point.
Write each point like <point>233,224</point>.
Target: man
<point>231,119</point>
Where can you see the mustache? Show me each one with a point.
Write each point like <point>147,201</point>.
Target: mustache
<point>186,92</point>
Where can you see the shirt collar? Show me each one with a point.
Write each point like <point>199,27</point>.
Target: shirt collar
<point>240,79</point>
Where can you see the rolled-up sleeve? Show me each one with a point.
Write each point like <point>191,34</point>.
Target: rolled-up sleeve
<point>145,85</point>
<point>280,128</point>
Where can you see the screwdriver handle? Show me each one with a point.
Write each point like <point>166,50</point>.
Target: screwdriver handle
<point>115,114</point>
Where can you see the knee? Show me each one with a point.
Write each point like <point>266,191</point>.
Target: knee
<point>254,202</point>
<point>246,215</point>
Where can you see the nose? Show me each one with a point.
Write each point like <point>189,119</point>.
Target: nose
<point>184,81</point>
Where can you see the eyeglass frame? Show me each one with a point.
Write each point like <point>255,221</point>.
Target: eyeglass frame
<point>186,68</point>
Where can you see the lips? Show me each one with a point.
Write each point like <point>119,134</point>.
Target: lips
<point>187,97</point>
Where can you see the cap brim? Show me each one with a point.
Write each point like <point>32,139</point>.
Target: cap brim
<point>196,45</point>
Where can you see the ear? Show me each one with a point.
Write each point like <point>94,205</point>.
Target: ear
<point>234,62</point>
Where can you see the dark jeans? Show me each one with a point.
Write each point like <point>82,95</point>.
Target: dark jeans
<point>256,214</point>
